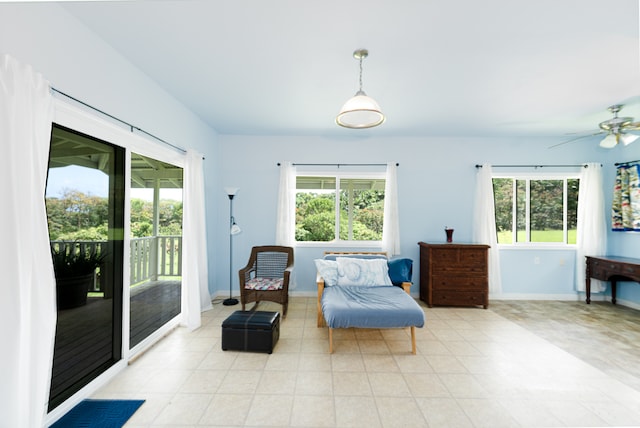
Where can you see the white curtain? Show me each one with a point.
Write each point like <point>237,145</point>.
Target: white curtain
<point>27,296</point>
<point>286,220</point>
<point>484,224</point>
<point>195,278</point>
<point>391,222</point>
<point>591,236</point>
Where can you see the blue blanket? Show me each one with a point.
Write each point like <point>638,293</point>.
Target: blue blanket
<point>370,307</point>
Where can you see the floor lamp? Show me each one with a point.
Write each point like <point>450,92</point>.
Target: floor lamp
<point>234,229</point>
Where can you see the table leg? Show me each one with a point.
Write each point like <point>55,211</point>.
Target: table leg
<point>588,289</point>
<point>613,291</point>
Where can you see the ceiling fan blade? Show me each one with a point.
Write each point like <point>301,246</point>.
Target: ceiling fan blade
<point>627,138</point>
<point>633,126</point>
<point>576,139</point>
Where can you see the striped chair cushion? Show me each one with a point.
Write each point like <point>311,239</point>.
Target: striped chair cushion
<point>264,284</point>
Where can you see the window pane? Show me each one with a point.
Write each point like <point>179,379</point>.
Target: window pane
<point>503,197</point>
<point>315,209</point>
<point>156,245</point>
<point>546,211</point>
<point>521,211</point>
<point>361,209</point>
<point>573,185</point>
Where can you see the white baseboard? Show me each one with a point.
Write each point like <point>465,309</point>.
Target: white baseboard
<point>596,297</point>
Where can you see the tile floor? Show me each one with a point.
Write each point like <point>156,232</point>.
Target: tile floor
<point>508,366</point>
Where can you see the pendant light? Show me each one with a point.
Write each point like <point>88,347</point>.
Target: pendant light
<point>360,111</point>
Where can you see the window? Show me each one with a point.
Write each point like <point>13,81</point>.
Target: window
<point>339,208</point>
<point>535,209</point>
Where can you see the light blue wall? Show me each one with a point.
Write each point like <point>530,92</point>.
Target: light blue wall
<point>436,175</point>
<point>436,180</point>
<point>80,64</point>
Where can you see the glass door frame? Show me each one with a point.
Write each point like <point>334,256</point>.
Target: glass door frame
<point>88,122</point>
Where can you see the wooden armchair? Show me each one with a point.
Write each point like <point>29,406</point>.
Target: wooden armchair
<point>266,276</point>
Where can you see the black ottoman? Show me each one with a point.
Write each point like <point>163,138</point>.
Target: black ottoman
<point>251,331</point>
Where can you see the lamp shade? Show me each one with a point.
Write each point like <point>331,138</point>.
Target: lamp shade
<point>609,141</point>
<point>235,229</point>
<point>231,191</point>
<point>359,112</point>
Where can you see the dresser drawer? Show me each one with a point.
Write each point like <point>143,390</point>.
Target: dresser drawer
<point>459,270</point>
<point>458,298</point>
<point>459,282</point>
<point>457,258</point>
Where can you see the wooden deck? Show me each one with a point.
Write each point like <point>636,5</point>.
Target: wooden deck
<point>84,335</point>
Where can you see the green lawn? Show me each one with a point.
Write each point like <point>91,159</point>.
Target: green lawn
<point>538,236</point>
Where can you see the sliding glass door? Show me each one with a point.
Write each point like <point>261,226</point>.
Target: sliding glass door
<point>156,245</point>
<point>85,210</point>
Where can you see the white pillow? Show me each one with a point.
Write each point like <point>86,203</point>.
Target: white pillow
<point>328,270</point>
<point>364,272</point>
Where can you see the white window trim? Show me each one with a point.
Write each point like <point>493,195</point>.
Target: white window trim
<point>553,175</point>
<point>339,175</point>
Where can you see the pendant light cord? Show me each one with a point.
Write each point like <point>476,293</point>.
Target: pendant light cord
<point>360,74</point>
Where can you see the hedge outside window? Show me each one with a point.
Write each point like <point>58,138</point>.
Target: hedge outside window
<point>339,208</point>
<point>536,210</point>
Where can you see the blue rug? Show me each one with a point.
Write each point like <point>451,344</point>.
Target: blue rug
<point>99,414</point>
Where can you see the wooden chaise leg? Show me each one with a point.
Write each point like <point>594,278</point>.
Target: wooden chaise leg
<point>413,340</point>
<point>330,340</point>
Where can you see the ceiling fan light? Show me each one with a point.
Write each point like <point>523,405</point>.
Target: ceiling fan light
<point>359,112</point>
<point>609,141</point>
<point>628,138</point>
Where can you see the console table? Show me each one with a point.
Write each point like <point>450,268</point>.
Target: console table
<point>613,269</point>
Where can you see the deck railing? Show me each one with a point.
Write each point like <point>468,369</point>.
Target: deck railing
<point>151,257</point>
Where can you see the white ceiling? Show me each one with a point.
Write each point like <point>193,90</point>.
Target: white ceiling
<point>436,67</point>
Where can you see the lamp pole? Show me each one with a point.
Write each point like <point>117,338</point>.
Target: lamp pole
<point>230,301</point>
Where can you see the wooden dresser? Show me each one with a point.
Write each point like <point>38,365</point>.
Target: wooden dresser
<point>454,274</point>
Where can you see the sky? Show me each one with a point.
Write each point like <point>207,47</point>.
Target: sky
<point>94,183</point>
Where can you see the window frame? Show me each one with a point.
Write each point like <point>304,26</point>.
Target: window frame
<point>339,175</point>
<point>537,176</point>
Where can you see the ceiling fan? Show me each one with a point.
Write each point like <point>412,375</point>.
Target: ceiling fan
<point>616,130</point>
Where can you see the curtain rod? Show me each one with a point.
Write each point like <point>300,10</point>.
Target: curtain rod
<point>131,127</point>
<point>627,163</point>
<point>534,166</point>
<point>340,164</point>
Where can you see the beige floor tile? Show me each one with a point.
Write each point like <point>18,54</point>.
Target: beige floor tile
<point>313,411</point>
<point>314,383</point>
<point>388,385</point>
<point>526,364</point>
<point>347,362</point>
<point>277,382</point>
<point>227,410</point>
<point>463,385</point>
<point>426,385</point>
<point>240,382</point>
<point>218,360</point>
<point>380,363</point>
<point>184,409</point>
<point>203,382</point>
<point>282,361</point>
<point>399,412</point>
<point>351,383</point>
<point>270,410</point>
<point>443,412</point>
<point>348,346</point>
<point>356,412</point>
<point>315,362</point>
